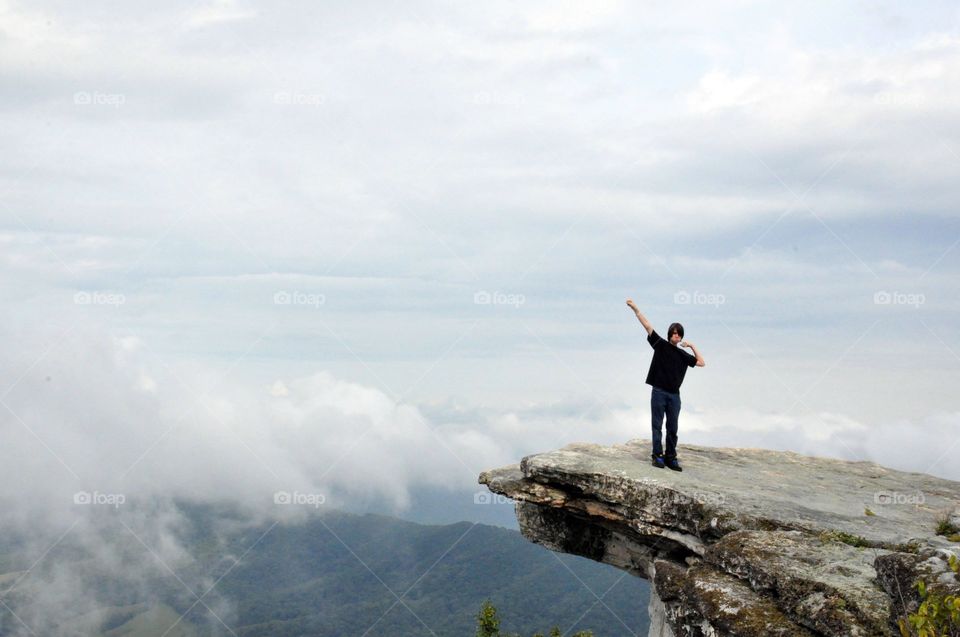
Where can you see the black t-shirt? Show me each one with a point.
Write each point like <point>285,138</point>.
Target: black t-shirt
<point>669,364</point>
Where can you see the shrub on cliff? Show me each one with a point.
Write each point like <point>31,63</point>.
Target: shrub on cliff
<point>488,625</point>
<point>938,615</point>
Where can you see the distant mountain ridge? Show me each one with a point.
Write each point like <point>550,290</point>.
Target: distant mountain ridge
<point>337,574</point>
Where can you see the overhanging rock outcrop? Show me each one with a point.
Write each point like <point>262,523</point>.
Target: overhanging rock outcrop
<point>745,542</point>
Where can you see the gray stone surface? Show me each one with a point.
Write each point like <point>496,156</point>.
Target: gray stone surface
<point>744,541</point>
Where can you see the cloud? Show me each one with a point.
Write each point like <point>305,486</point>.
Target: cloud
<point>91,411</point>
<point>927,445</point>
<point>95,412</point>
<point>218,12</point>
<point>97,416</point>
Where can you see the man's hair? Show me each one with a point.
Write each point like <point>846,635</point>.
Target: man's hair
<point>675,327</point>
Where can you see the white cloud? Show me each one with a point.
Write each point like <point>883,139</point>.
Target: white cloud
<point>102,413</point>
<point>218,12</point>
<point>926,445</point>
<point>717,90</point>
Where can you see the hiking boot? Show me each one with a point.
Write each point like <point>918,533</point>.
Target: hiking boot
<point>658,462</point>
<point>674,464</point>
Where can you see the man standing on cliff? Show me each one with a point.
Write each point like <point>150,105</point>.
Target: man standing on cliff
<point>667,369</point>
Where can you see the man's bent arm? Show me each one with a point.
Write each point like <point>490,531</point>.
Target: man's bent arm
<point>643,319</point>
<point>700,361</point>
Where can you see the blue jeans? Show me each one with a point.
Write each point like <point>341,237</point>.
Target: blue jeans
<point>664,403</point>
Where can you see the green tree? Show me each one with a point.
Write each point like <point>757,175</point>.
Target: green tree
<point>488,624</point>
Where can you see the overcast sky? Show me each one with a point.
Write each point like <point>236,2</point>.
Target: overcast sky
<point>367,247</point>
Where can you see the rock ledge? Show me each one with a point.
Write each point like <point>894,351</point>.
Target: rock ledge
<point>744,542</point>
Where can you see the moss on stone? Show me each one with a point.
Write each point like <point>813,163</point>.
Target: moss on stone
<point>946,527</point>
<point>908,547</point>
<point>846,538</point>
<point>838,602</point>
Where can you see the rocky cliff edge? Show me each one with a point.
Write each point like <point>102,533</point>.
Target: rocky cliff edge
<point>745,542</point>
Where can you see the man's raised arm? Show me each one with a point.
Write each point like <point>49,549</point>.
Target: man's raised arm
<point>643,319</point>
